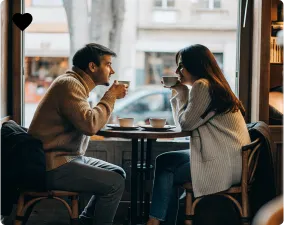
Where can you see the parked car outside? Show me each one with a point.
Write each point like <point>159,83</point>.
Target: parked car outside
<point>151,101</point>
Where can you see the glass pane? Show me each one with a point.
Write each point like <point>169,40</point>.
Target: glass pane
<point>158,3</point>
<point>204,4</point>
<point>146,48</point>
<point>217,4</point>
<point>47,2</point>
<point>171,3</point>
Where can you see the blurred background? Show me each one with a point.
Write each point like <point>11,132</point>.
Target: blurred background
<point>146,34</point>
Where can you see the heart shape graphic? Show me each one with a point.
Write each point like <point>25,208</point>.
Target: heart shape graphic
<point>22,20</point>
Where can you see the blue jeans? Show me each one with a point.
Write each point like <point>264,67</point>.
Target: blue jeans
<point>172,170</point>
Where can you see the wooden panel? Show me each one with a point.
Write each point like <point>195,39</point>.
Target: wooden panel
<point>244,55</point>
<point>274,9</point>
<point>276,75</point>
<point>15,63</point>
<point>4,55</point>
<point>261,60</point>
<point>265,61</point>
<point>276,133</point>
<point>277,138</point>
<point>279,168</point>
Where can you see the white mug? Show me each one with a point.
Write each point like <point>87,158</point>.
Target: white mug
<point>158,122</point>
<point>124,82</point>
<point>170,81</point>
<point>126,122</point>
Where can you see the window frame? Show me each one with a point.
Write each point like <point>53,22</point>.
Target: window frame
<point>211,5</point>
<point>164,4</point>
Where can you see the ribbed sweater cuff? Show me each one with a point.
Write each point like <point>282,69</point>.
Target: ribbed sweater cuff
<point>109,99</point>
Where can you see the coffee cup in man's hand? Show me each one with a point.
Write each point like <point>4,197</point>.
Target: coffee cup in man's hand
<point>169,81</point>
<point>126,82</point>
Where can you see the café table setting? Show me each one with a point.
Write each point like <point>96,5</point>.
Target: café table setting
<point>141,167</point>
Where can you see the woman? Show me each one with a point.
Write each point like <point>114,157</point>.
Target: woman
<point>214,115</point>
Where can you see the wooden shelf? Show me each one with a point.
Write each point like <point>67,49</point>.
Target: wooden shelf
<point>276,64</point>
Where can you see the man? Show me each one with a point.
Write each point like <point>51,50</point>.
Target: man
<point>64,120</point>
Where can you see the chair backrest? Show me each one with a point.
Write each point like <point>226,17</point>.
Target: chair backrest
<point>250,155</point>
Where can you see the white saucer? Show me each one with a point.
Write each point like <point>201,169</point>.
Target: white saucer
<point>117,127</point>
<point>150,128</point>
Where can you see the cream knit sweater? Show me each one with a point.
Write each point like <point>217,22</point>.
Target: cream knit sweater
<point>64,119</point>
<point>216,141</point>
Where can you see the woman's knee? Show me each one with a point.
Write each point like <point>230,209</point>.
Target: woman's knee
<point>163,159</point>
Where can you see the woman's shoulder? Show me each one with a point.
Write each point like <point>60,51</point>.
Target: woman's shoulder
<point>201,82</point>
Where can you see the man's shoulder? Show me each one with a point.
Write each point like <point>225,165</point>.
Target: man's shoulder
<point>67,81</point>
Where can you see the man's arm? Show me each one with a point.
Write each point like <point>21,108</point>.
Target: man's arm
<point>73,105</point>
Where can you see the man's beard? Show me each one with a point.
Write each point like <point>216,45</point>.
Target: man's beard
<point>107,84</point>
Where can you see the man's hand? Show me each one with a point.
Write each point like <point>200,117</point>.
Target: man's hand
<point>118,90</point>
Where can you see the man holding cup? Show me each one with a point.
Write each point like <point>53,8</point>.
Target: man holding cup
<point>64,121</point>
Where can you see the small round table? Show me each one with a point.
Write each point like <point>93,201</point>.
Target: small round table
<point>136,136</point>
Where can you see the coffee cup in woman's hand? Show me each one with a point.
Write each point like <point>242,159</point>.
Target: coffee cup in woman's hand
<point>169,81</point>
<point>179,87</point>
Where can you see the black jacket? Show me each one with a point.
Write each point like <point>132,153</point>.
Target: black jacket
<point>264,186</point>
<point>22,164</point>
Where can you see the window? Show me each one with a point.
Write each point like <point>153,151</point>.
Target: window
<point>143,59</point>
<point>160,64</point>
<point>164,3</point>
<point>219,59</point>
<point>47,2</point>
<point>210,4</point>
<point>153,102</point>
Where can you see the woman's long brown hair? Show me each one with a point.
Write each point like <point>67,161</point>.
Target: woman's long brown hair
<point>201,63</point>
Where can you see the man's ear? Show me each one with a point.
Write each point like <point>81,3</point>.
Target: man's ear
<point>93,67</point>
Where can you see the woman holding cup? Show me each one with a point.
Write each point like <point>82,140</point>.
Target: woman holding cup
<point>215,116</point>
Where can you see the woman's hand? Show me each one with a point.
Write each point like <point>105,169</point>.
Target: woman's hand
<point>178,86</point>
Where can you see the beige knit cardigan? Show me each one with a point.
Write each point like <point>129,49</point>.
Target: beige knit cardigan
<point>64,120</point>
<point>216,141</point>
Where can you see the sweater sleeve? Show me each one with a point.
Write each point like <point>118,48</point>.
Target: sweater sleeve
<point>188,106</point>
<point>73,105</point>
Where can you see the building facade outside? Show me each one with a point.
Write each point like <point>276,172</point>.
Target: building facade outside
<point>153,31</point>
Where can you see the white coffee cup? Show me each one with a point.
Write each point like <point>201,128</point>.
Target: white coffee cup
<point>170,81</point>
<point>158,122</point>
<point>126,122</point>
<point>124,82</point>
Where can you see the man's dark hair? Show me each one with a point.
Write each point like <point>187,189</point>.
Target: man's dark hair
<point>90,53</point>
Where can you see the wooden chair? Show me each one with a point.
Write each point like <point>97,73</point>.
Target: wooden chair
<point>250,155</point>
<point>22,206</point>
